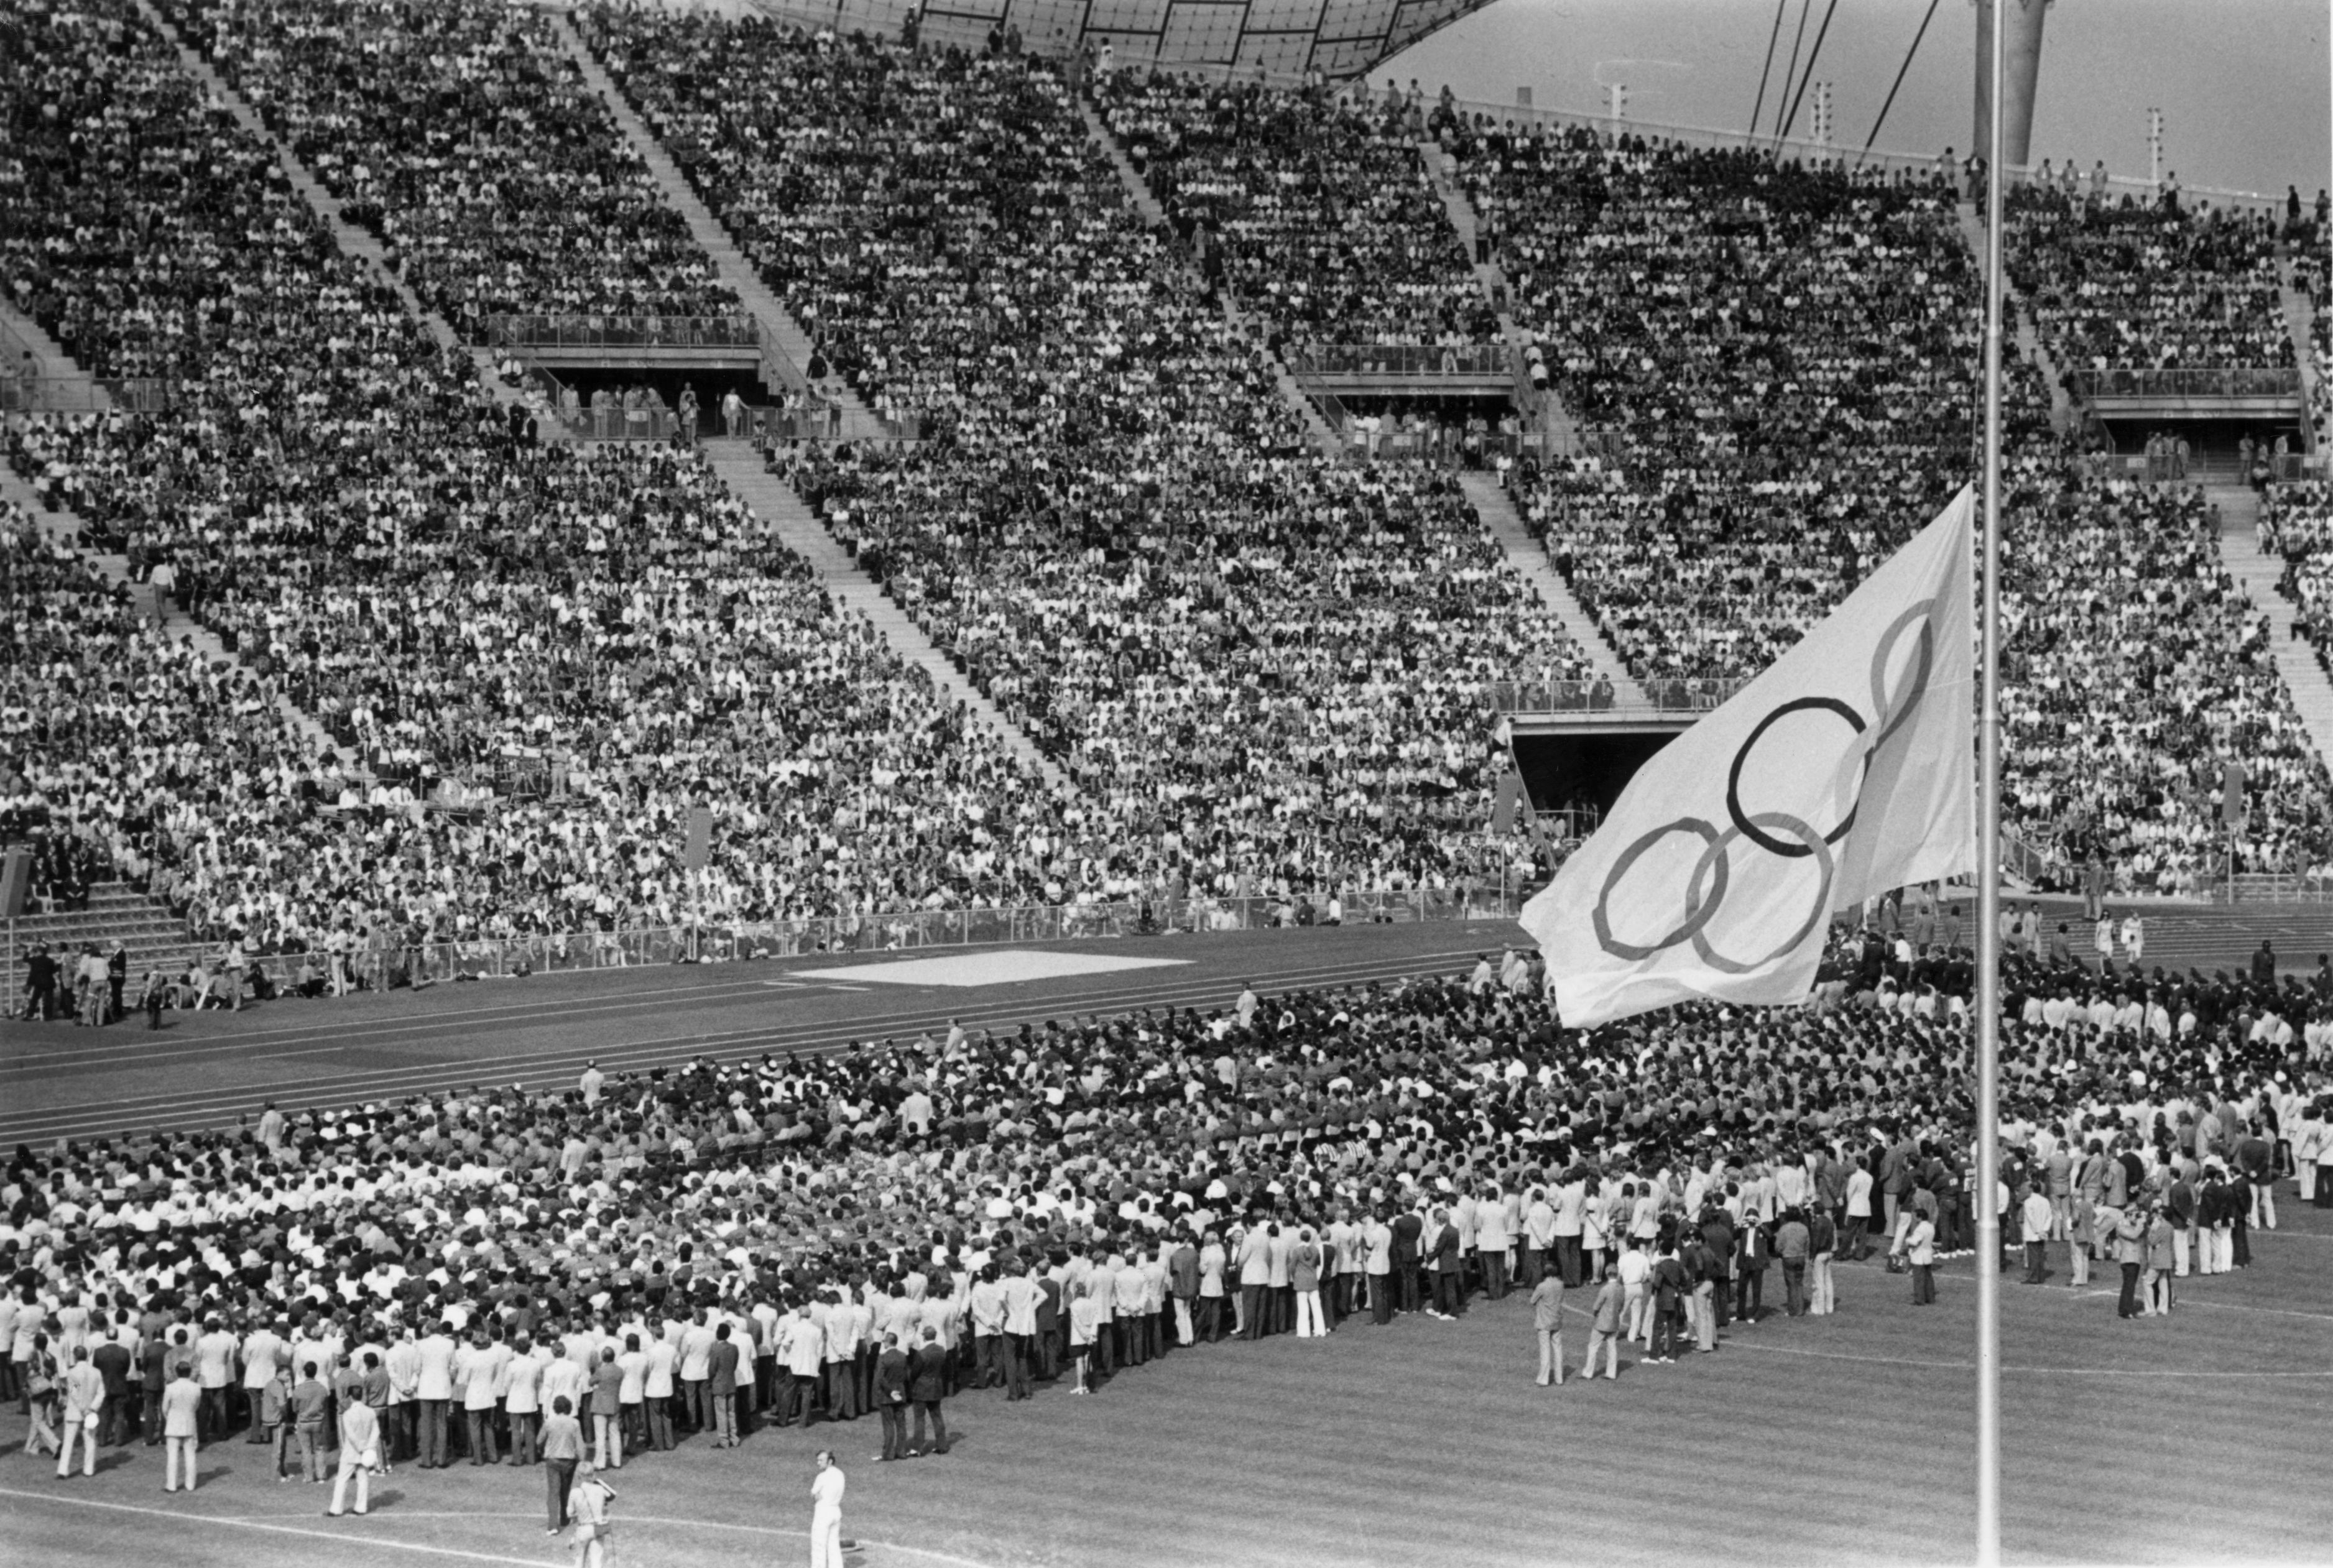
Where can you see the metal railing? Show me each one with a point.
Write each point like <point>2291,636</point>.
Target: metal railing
<point>2186,381</point>
<point>1664,698</point>
<point>2273,887</point>
<point>395,966</point>
<point>606,331</point>
<point>1473,360</point>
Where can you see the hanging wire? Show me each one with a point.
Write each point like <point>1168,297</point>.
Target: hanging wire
<point>1900,71</point>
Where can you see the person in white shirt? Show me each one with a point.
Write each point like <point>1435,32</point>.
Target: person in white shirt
<point>826,1513</point>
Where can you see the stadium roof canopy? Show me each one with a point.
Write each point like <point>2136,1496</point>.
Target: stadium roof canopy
<point>1272,38</point>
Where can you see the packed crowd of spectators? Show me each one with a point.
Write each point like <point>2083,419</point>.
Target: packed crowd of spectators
<point>1254,657</point>
<point>132,753</point>
<point>465,136</point>
<point>1088,1196</point>
<point>2124,283</point>
<point>2297,526</point>
<point>1777,356</point>
<point>1312,208</point>
<point>2134,671</point>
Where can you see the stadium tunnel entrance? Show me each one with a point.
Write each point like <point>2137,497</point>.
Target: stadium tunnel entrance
<point>1579,766</point>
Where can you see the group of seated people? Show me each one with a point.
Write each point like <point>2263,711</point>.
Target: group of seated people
<point>1311,207</point>
<point>2129,284</point>
<point>1123,536</point>
<point>464,134</point>
<point>1075,1199</point>
<point>1778,354</point>
<point>2297,525</point>
<point>2133,669</point>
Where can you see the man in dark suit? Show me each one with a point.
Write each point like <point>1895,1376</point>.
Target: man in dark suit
<point>112,1360</point>
<point>1049,1326</point>
<point>1408,1228</point>
<point>891,1398</point>
<point>927,1386</point>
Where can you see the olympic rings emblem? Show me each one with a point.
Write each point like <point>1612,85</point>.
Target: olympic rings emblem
<point>1712,875</point>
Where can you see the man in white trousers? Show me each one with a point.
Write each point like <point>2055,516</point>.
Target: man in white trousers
<point>826,1513</point>
<point>359,1452</point>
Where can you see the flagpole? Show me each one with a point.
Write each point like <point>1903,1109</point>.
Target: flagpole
<point>1988,850</point>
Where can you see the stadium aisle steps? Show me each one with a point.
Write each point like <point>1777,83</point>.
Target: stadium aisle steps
<point>55,364</point>
<point>361,243</point>
<point>1135,185</point>
<point>1493,279</point>
<point>1528,559</point>
<point>2258,574</point>
<point>2297,321</point>
<point>773,501</point>
<point>2063,417</point>
<point>712,237</point>
<point>117,912</point>
<point>65,524</point>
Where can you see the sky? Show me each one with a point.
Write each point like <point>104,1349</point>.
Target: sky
<point>2245,86</point>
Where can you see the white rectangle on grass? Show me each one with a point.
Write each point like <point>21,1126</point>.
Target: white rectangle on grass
<point>1008,966</point>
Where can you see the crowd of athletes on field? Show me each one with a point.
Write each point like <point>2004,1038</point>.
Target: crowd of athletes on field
<point>714,1251</point>
<point>1261,671</point>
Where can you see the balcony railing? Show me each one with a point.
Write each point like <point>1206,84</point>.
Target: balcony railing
<point>602,332</point>
<point>2186,381</point>
<point>1473,361</point>
<point>1664,698</point>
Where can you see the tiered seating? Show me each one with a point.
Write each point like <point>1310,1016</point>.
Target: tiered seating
<point>137,228</point>
<point>134,745</point>
<point>1119,531</point>
<point>2297,524</point>
<point>2134,670</point>
<point>1778,359</point>
<point>464,134</point>
<point>361,526</point>
<point>1315,207</point>
<point>2118,285</point>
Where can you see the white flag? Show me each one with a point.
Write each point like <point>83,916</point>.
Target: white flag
<point>1846,769</point>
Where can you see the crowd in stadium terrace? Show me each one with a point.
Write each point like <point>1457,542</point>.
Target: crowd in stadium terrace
<point>2131,650</point>
<point>1110,534</point>
<point>715,1249</point>
<point>2123,283</point>
<point>1781,354</point>
<point>464,134</point>
<point>143,234</point>
<point>2297,525</point>
<point>1311,207</point>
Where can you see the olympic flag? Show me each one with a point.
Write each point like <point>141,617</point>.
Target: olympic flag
<point>1846,769</point>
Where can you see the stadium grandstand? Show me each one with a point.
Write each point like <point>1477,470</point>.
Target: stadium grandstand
<point>760,715</point>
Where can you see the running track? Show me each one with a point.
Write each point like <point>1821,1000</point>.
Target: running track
<point>207,1069</point>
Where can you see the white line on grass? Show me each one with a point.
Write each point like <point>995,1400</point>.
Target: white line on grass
<point>346,1536</point>
<point>341,1537</point>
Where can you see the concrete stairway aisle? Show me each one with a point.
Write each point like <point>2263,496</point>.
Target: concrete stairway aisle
<point>21,334</point>
<point>1139,189</point>
<point>153,937</point>
<point>2258,574</point>
<point>712,237</point>
<point>1560,426</point>
<point>1530,560</point>
<point>66,525</point>
<point>2299,318</point>
<point>2063,416</point>
<point>773,501</point>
